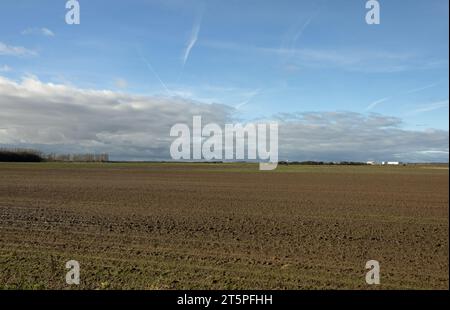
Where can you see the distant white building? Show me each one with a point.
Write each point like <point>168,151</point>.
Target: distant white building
<point>391,163</point>
<point>371,162</point>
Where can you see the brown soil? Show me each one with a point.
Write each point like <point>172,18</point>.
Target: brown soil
<point>177,226</point>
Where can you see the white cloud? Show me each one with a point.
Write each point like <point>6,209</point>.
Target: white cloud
<point>61,118</point>
<point>47,32</point>
<point>353,136</point>
<point>121,83</point>
<point>9,50</point>
<point>39,31</point>
<point>5,68</point>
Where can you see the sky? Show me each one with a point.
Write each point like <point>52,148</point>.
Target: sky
<point>340,89</point>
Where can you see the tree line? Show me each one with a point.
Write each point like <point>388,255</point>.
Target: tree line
<point>30,155</point>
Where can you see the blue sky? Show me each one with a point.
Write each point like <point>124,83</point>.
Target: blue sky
<point>262,58</point>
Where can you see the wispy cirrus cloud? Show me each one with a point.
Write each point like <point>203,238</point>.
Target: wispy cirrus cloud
<point>18,51</point>
<point>192,41</point>
<point>351,59</point>
<point>193,38</point>
<point>443,104</point>
<point>38,31</point>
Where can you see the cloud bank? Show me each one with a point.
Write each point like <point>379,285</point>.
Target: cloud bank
<point>60,118</point>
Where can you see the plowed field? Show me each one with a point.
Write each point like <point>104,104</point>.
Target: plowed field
<point>223,226</point>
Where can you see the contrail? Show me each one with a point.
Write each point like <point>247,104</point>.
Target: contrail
<point>375,103</point>
<point>288,44</point>
<point>301,30</point>
<point>150,67</point>
<point>250,98</point>
<point>416,90</point>
<point>411,91</point>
